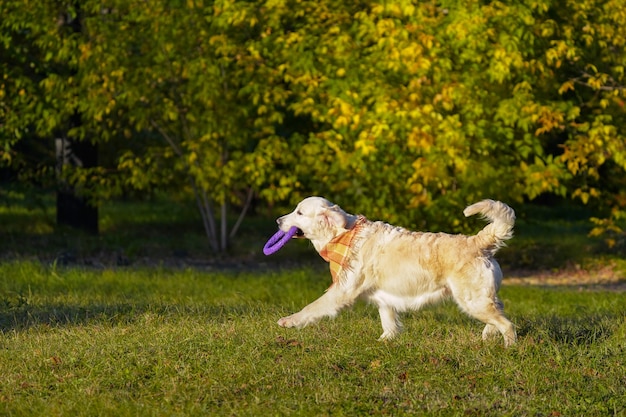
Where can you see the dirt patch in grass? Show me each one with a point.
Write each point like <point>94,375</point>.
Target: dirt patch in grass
<point>602,277</point>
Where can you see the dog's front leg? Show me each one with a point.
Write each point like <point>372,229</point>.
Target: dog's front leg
<point>328,305</point>
<point>391,324</point>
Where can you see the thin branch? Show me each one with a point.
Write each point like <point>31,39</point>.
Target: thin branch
<point>204,203</point>
<point>224,226</point>
<point>207,215</point>
<point>585,76</point>
<point>211,217</point>
<point>601,88</point>
<point>167,138</point>
<point>242,214</point>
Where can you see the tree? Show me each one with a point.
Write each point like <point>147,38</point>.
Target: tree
<point>172,73</point>
<point>393,113</point>
<point>183,74</point>
<point>588,56</point>
<point>39,100</point>
<point>403,111</point>
<point>437,105</point>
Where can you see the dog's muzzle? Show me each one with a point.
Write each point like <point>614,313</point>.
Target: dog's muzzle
<point>299,232</point>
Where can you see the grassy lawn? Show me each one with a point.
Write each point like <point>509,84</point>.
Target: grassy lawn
<point>142,320</point>
<point>168,342</point>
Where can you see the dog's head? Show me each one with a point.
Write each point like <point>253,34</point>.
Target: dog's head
<point>318,220</point>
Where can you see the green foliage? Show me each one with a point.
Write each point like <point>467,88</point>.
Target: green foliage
<point>432,107</point>
<point>185,342</point>
<point>402,111</point>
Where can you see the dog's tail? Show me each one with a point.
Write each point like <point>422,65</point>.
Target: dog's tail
<point>501,220</point>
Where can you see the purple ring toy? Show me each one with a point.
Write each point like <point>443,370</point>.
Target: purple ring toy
<point>278,241</point>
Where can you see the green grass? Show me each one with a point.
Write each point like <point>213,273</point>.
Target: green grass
<point>553,238</point>
<point>149,232</point>
<point>165,342</point>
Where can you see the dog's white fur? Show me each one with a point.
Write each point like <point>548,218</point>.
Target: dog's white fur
<point>400,270</point>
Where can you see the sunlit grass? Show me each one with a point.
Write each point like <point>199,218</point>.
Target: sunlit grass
<point>162,342</point>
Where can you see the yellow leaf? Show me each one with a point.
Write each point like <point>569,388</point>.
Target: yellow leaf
<point>566,86</point>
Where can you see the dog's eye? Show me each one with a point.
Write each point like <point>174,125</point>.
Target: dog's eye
<point>299,213</point>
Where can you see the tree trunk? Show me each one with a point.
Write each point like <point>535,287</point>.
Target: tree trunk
<point>74,210</point>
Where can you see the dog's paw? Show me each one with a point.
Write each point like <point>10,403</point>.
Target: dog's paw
<point>289,321</point>
<point>391,333</point>
<point>387,336</point>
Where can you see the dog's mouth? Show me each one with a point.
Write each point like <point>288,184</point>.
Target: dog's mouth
<point>299,234</point>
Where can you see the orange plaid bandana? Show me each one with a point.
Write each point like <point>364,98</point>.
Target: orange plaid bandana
<point>336,251</point>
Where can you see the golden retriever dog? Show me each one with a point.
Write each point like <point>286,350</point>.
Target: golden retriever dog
<point>399,270</point>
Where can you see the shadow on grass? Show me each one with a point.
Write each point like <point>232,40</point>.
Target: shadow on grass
<point>580,331</point>
<point>25,317</point>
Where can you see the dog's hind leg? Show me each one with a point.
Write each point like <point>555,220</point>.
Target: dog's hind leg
<point>489,311</point>
<point>490,330</point>
<point>391,324</point>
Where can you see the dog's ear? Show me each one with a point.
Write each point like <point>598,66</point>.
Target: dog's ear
<point>335,216</point>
